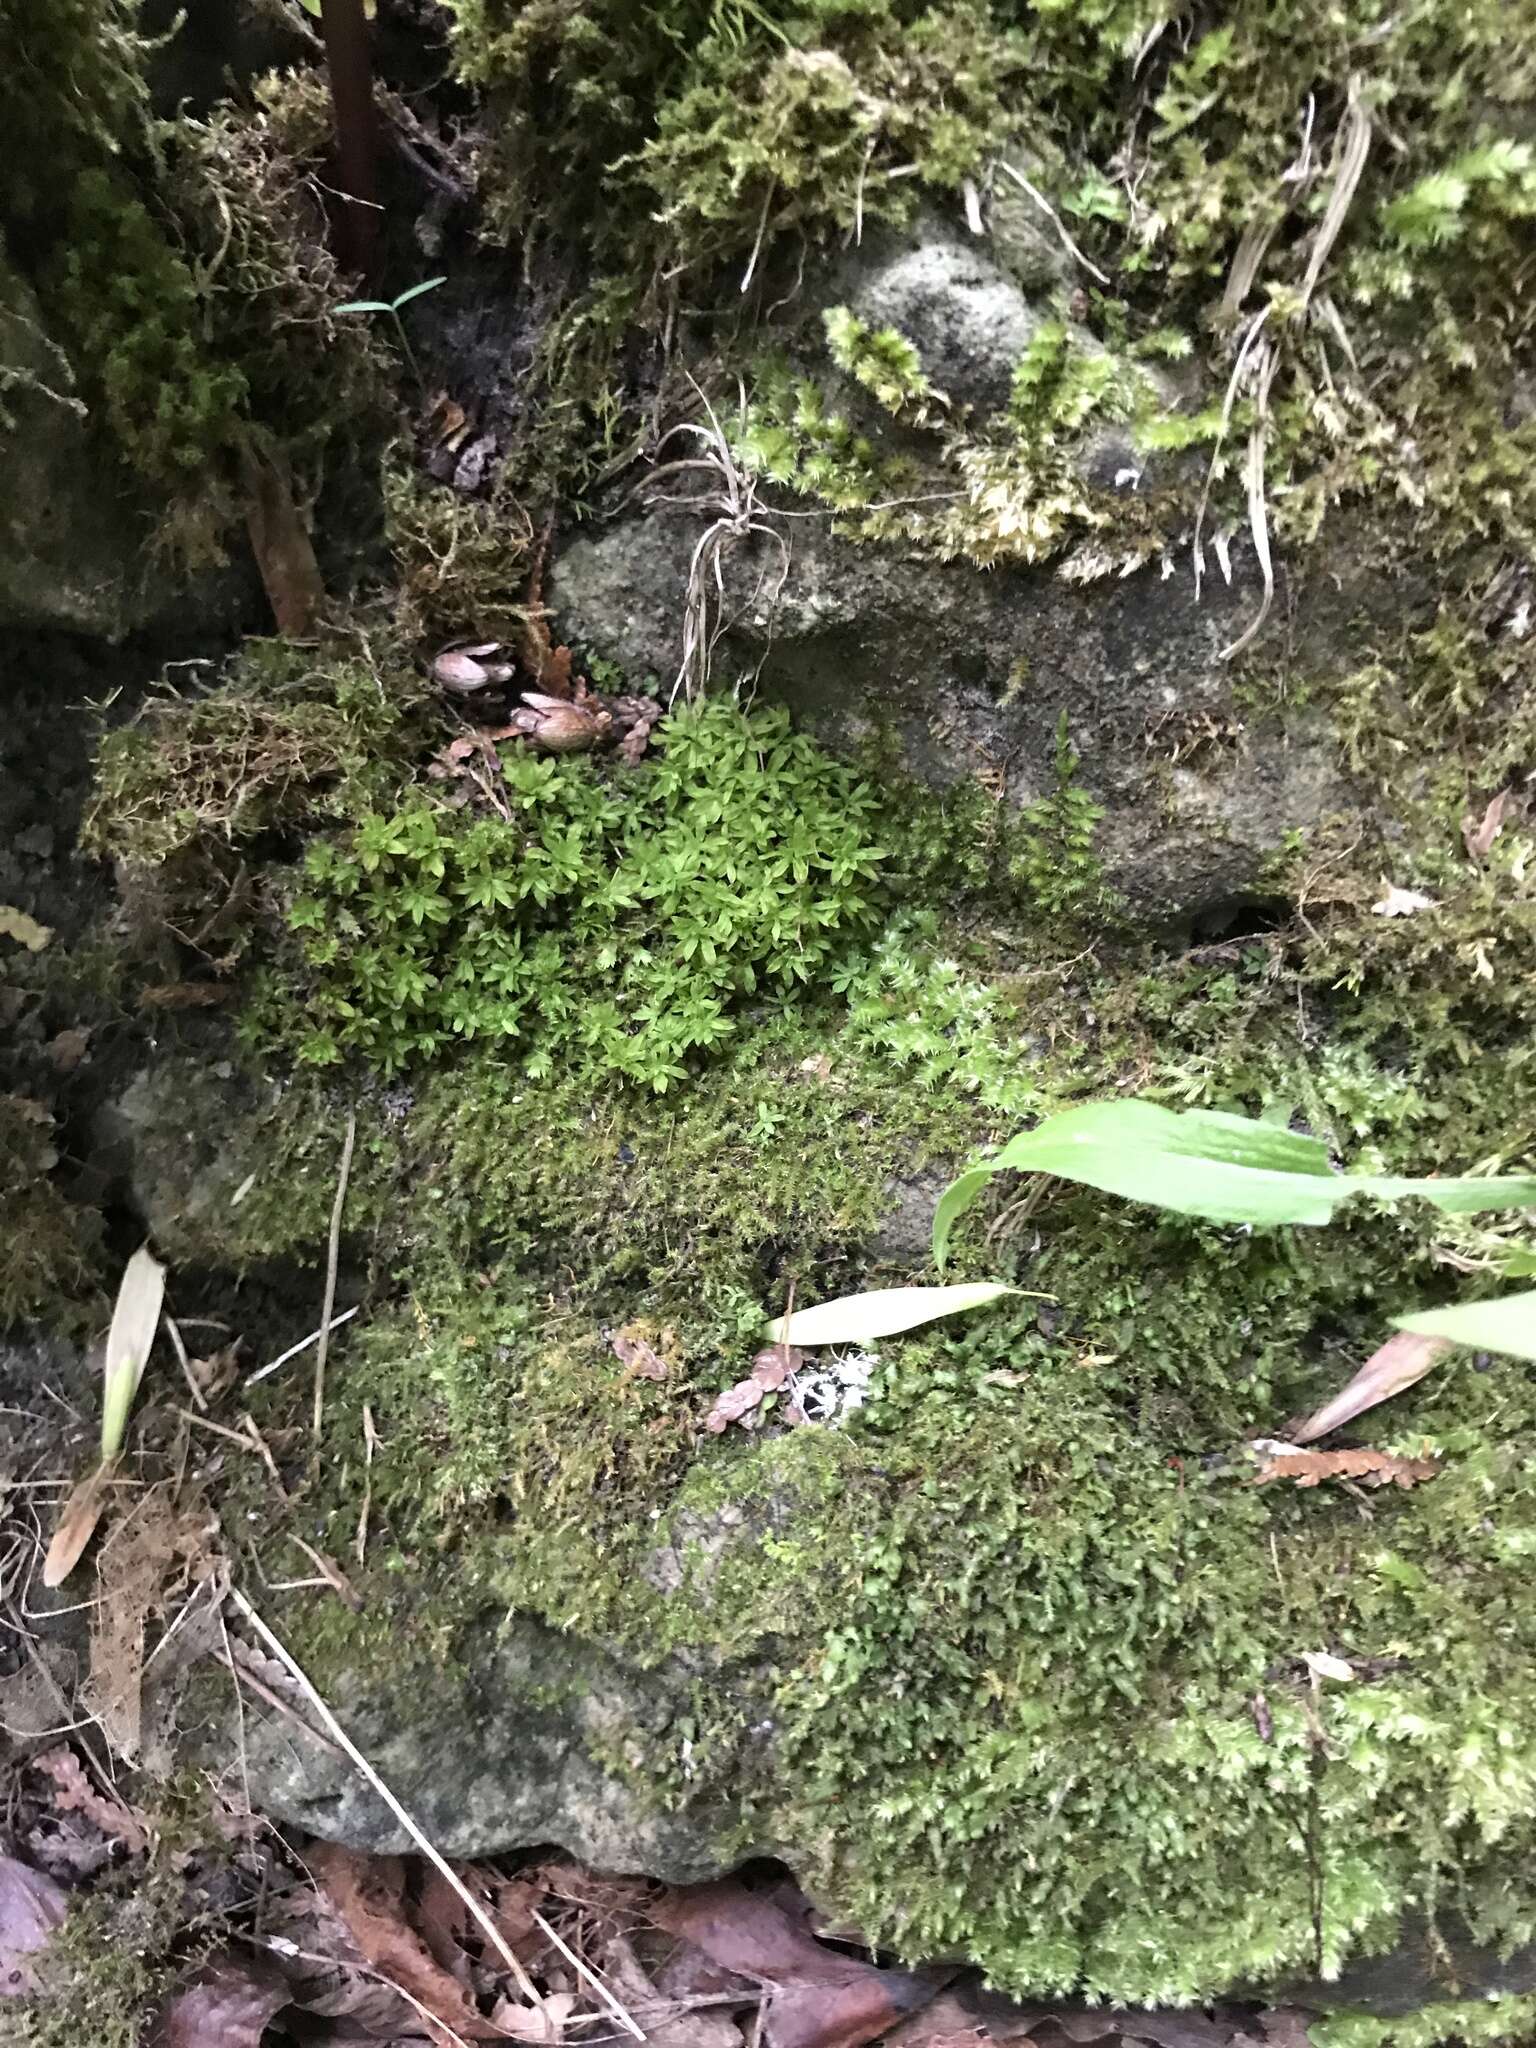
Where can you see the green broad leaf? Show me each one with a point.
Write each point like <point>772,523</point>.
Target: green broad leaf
<point>1203,1162</point>
<point>883,1312</point>
<point>1507,1324</point>
<point>135,1319</point>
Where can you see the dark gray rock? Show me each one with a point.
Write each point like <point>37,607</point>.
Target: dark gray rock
<point>969,671</point>
<point>547,1739</point>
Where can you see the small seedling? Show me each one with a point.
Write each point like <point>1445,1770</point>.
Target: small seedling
<point>135,1319</point>
<point>392,308</point>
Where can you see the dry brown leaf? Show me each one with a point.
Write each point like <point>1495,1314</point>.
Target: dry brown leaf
<point>1478,835</point>
<point>77,1525</point>
<point>468,669</point>
<point>280,541</point>
<point>1399,1363</point>
<point>74,1793</point>
<point>31,1908</point>
<point>733,1404</point>
<point>818,1998</point>
<point>1371,1468</point>
<point>229,2004</point>
<point>773,1365</point>
<point>369,1894</point>
<point>553,675</point>
<point>141,1559</point>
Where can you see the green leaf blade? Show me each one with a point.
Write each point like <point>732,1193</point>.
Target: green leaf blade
<point>1507,1324</point>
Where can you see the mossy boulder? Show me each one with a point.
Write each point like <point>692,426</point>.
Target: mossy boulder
<point>968,672</point>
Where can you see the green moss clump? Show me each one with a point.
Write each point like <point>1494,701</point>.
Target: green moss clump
<point>622,926</point>
<point>291,735</point>
<point>182,267</point>
<point>106,1969</point>
<point>1008,487</point>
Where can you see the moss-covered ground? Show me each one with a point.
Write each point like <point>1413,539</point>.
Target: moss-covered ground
<point>1031,1640</point>
<point>1032,1643</point>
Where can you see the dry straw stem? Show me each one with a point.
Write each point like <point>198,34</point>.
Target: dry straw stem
<point>332,1257</point>
<point>730,497</point>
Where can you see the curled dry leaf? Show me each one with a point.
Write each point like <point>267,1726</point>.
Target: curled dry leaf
<point>770,1369</point>
<point>1399,1363</point>
<point>555,726</point>
<point>1323,1664</point>
<point>369,1893</point>
<point>77,1525</point>
<point>1370,1468</point>
<point>818,1998</point>
<point>468,669</point>
<point>637,1354</point>
<point>1479,834</point>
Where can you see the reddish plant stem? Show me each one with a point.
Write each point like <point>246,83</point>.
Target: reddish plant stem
<point>348,61</point>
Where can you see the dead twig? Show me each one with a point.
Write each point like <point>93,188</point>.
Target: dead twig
<point>265,1371</point>
<point>332,1257</point>
<point>1045,206</point>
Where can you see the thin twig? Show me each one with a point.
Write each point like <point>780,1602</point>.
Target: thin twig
<point>370,1445</point>
<point>173,1332</point>
<point>1054,218</point>
<point>265,1371</point>
<point>589,1976</point>
<point>433,1855</point>
<point>332,1255</point>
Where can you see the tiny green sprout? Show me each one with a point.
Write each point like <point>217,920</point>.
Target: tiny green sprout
<point>392,308</point>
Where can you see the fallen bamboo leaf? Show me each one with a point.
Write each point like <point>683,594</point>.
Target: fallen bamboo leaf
<point>1393,1367</point>
<point>1371,1468</point>
<point>135,1319</point>
<point>1507,1324</point>
<point>1478,837</point>
<point>883,1312</point>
